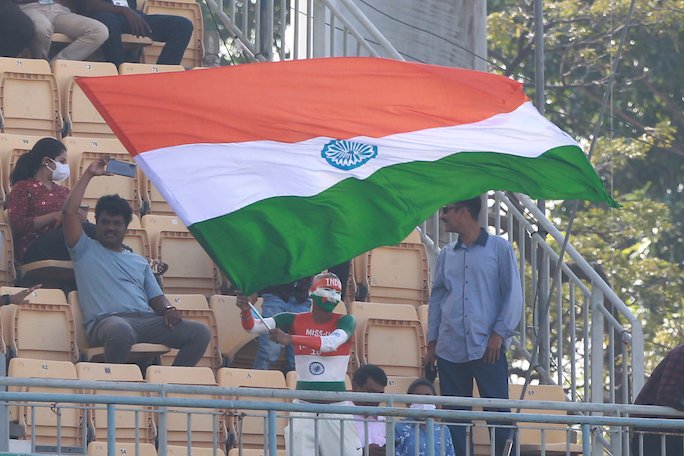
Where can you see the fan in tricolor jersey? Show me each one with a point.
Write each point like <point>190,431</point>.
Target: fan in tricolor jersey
<point>283,169</point>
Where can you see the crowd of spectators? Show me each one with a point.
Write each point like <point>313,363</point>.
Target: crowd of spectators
<point>92,25</point>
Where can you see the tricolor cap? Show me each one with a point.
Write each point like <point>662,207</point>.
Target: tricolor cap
<point>327,286</point>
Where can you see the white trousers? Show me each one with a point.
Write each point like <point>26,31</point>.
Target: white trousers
<point>88,34</point>
<point>337,436</point>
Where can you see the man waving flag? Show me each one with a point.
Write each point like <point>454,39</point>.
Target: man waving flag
<point>283,169</point>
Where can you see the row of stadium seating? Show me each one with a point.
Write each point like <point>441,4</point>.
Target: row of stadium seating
<point>50,327</point>
<point>231,427</point>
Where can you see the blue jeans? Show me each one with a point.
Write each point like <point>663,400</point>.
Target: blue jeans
<point>456,379</point>
<point>175,31</point>
<point>269,351</point>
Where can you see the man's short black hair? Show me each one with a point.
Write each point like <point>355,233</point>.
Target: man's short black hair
<point>367,371</point>
<point>114,205</point>
<point>473,205</point>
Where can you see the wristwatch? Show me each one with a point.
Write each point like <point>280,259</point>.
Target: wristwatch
<point>167,308</point>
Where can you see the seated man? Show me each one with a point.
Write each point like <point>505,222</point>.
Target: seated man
<point>370,378</point>
<point>322,341</point>
<point>116,286</point>
<point>290,297</point>
<point>51,17</point>
<point>121,17</point>
<point>16,29</point>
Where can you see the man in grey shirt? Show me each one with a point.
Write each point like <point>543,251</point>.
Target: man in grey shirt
<point>120,299</point>
<point>475,306</point>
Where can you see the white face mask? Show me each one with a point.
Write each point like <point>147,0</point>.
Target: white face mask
<point>423,406</point>
<point>61,171</point>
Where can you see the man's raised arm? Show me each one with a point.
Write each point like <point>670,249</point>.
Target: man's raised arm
<point>71,218</point>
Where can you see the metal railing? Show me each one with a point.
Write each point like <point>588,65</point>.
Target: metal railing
<point>300,29</point>
<point>589,341</point>
<point>575,418</point>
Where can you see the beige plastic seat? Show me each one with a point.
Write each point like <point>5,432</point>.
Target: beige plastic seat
<point>83,151</point>
<point>194,53</point>
<point>29,98</point>
<point>136,236</point>
<point>126,426</point>
<point>195,308</point>
<point>390,336</point>
<point>190,268</point>
<point>80,116</point>
<point>43,419</point>
<point>13,146</point>
<point>248,425</point>
<point>100,448</point>
<point>232,338</point>
<point>39,296</point>
<point>207,424</point>
<point>423,317</point>
<point>173,450</point>
<point>398,274</point>
<point>252,452</point>
<point>7,271</point>
<point>398,384</point>
<point>44,331</point>
<point>138,351</point>
<point>145,68</point>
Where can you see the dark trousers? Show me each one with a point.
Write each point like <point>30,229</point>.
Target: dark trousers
<point>120,331</point>
<point>51,245</point>
<point>456,379</point>
<point>652,444</point>
<point>16,29</point>
<point>175,31</point>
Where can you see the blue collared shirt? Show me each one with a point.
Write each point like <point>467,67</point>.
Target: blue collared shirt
<point>476,290</point>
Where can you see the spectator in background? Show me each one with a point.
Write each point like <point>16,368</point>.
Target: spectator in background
<point>665,387</point>
<point>117,288</point>
<point>370,378</point>
<point>16,29</point>
<point>290,297</point>
<point>50,16</point>
<point>35,203</point>
<point>121,16</point>
<point>475,306</point>
<point>408,434</point>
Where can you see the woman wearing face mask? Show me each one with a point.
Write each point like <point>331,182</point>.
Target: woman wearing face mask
<point>35,203</point>
<point>408,433</point>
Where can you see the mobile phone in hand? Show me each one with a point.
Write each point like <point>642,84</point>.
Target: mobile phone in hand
<point>121,168</point>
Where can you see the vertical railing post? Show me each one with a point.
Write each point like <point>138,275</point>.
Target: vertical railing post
<point>318,31</point>
<point>272,439</point>
<point>162,423</point>
<point>596,351</point>
<point>111,430</point>
<point>266,29</point>
<point>4,411</point>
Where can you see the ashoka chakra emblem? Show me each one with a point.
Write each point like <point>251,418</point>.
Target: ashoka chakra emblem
<point>316,368</point>
<point>348,155</point>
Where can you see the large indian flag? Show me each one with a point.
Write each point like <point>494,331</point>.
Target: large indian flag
<point>283,169</point>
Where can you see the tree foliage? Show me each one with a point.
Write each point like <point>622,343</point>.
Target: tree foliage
<point>640,150</point>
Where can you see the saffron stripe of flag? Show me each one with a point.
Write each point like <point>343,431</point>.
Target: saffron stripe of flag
<point>281,170</point>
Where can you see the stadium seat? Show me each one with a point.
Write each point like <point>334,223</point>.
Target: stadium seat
<point>423,317</point>
<point>249,430</point>
<point>88,353</point>
<point>44,331</point>
<point>207,424</point>
<point>195,308</point>
<point>83,151</point>
<point>194,54</point>
<point>39,296</point>
<point>398,385</point>
<point>145,68</point>
<point>190,268</point>
<point>41,423</point>
<point>7,271</point>
<point>136,236</point>
<point>232,338</point>
<point>29,98</point>
<point>172,450</point>
<point>390,336</point>
<point>100,448</point>
<point>398,274</point>
<point>80,116</point>
<point>252,452</point>
<point>128,41</point>
<point>11,147</point>
<point>127,426</point>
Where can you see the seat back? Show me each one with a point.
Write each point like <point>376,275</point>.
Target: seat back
<point>194,53</point>
<point>29,98</point>
<point>145,68</point>
<point>127,424</point>
<point>127,448</point>
<point>231,336</point>
<point>399,274</point>
<point>7,271</point>
<point>44,331</point>
<point>172,450</point>
<point>13,146</point>
<point>125,187</point>
<point>553,433</point>
<point>42,422</point>
<point>80,116</point>
<point>248,425</point>
<point>207,424</point>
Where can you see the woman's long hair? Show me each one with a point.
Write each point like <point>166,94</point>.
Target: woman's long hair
<point>29,163</point>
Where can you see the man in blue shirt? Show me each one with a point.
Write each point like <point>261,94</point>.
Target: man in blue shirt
<point>475,306</point>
